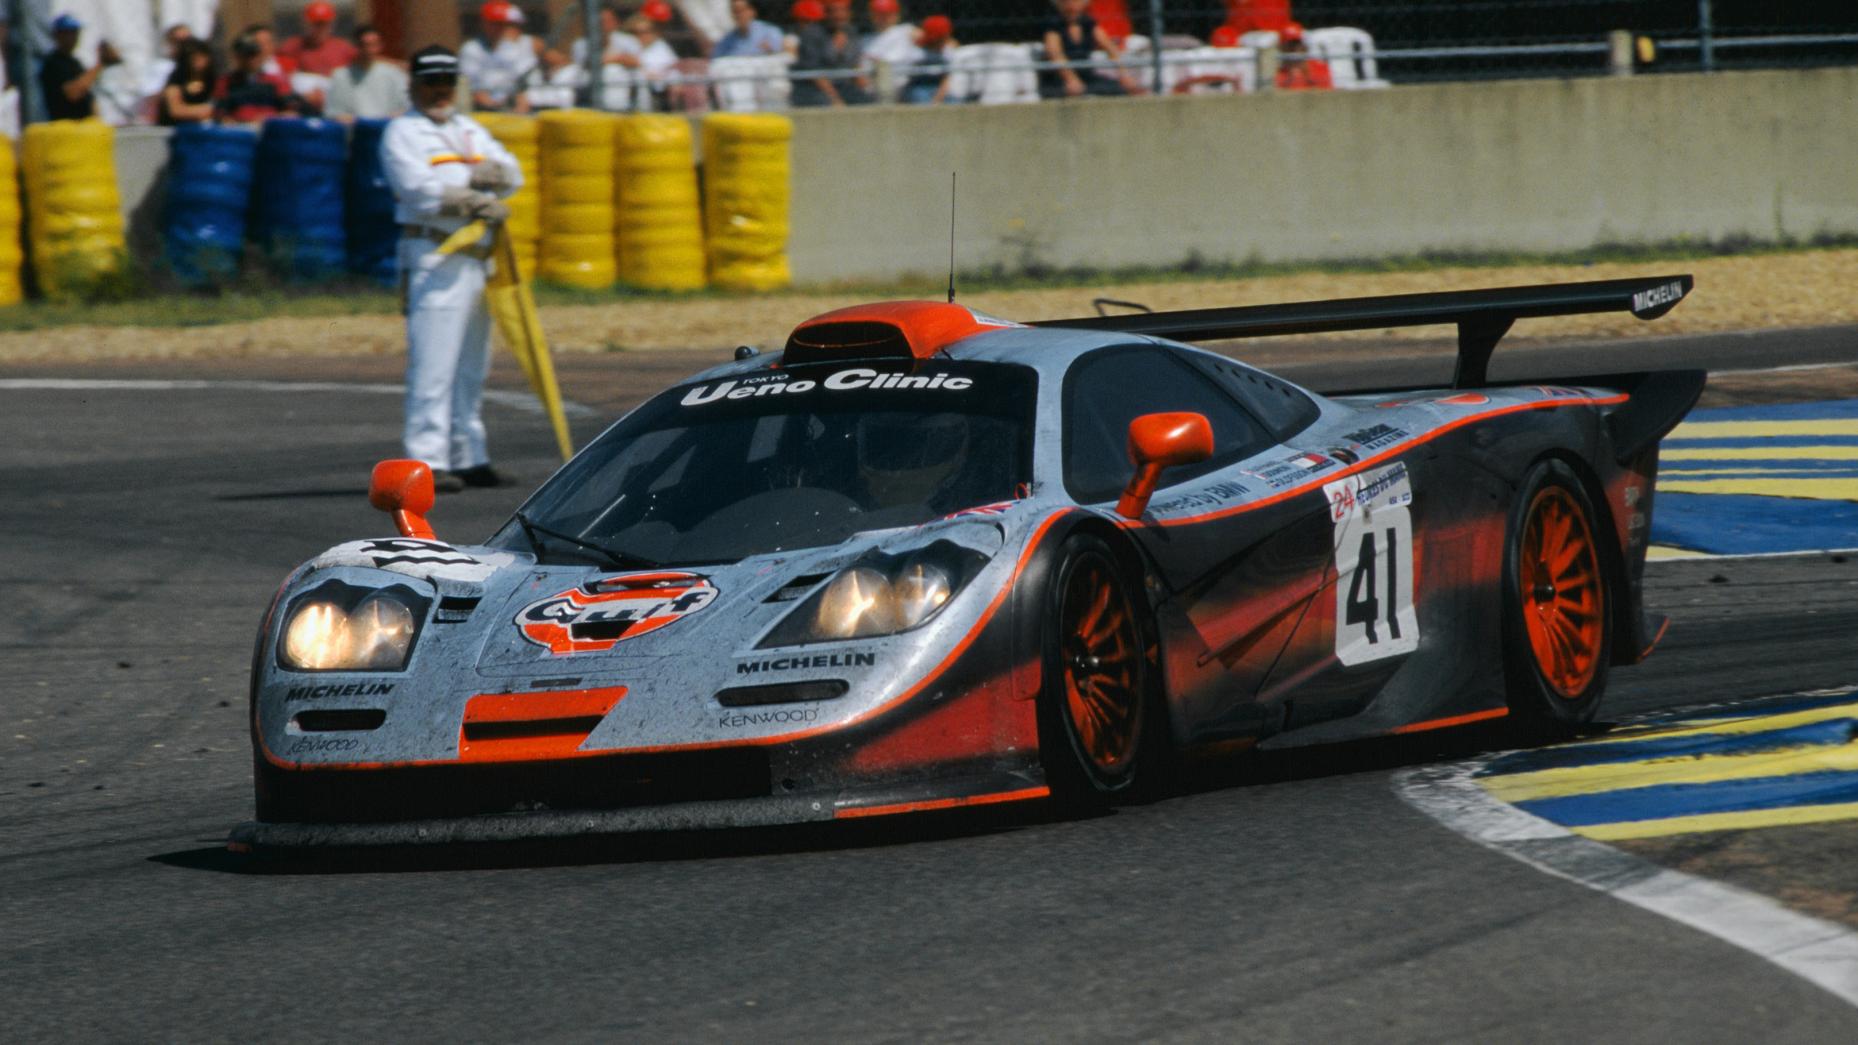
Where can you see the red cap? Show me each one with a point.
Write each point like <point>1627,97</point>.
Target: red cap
<point>890,7</point>
<point>936,28</point>
<point>319,13</point>
<point>657,11</point>
<point>809,11</point>
<point>1226,36</point>
<point>1291,33</point>
<point>498,12</point>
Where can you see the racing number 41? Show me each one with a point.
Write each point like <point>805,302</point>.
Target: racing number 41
<point>1364,605</point>
<point>1374,586</point>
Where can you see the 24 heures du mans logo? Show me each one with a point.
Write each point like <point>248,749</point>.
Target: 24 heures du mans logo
<point>596,616</point>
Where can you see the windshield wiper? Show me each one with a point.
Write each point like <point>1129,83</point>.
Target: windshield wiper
<point>616,559</point>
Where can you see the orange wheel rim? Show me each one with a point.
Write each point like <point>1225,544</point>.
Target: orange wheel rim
<point>1564,601</point>
<point>1100,666</point>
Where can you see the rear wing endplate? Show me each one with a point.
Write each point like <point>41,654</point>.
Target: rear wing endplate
<point>1482,316</point>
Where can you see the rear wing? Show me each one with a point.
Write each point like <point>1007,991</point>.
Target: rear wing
<point>1482,316</point>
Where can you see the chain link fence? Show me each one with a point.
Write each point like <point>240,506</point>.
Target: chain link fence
<point>1434,40</point>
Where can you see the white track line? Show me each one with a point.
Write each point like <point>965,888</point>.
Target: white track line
<point>514,400</point>
<point>1817,951</point>
<point>1690,556</point>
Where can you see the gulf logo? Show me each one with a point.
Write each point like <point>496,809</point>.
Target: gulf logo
<point>597,616</point>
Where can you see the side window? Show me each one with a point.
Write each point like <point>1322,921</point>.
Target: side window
<point>1114,387</point>
<point>1284,410</point>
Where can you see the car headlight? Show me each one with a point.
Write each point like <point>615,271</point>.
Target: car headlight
<point>338,627</point>
<point>880,595</point>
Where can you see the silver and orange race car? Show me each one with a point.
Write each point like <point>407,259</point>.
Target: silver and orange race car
<point>925,558</point>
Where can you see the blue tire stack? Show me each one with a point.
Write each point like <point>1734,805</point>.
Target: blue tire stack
<point>297,202</point>
<point>209,189</point>
<point>373,237</point>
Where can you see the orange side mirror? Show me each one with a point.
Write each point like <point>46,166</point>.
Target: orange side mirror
<point>403,489</point>
<point>1157,442</point>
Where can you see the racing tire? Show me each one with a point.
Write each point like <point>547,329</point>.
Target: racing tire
<point>1557,606</point>
<point>1100,724</point>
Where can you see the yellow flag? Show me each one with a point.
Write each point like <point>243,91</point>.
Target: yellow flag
<point>512,307</point>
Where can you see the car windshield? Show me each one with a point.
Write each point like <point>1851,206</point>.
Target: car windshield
<point>770,461</point>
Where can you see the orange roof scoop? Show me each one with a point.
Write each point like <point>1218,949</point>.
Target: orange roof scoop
<point>886,330</point>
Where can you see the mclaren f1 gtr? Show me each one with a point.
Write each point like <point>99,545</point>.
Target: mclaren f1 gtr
<point>925,558</point>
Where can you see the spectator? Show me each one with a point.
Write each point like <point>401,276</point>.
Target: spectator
<point>751,37</point>
<point>554,83</point>
<point>270,62</point>
<point>832,45</point>
<point>495,64</point>
<point>370,87</point>
<point>620,60</point>
<point>187,97</point>
<point>249,94</point>
<point>1296,70</point>
<point>1073,36</point>
<point>657,61</point>
<point>929,77</point>
<point>1251,16</point>
<point>155,80</point>
<point>892,40</point>
<point>318,50</point>
<point>66,82</point>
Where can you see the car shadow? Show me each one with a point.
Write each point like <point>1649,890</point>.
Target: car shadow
<point>642,847</point>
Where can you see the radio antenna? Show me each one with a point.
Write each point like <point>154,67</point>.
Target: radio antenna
<point>951,236</point>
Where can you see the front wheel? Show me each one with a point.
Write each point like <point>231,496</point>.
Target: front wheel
<point>1558,625</point>
<point>1099,723</point>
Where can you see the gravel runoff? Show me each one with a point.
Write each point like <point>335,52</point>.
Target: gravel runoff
<point>1806,288</point>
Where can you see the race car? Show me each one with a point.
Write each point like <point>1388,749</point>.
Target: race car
<point>925,558</point>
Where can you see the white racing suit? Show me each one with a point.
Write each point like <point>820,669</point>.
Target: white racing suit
<point>429,165</point>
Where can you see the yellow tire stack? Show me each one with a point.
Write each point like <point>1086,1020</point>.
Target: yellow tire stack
<point>659,225</point>
<point>12,255</point>
<point>577,198</point>
<point>748,167</point>
<point>76,214</point>
<point>522,135</point>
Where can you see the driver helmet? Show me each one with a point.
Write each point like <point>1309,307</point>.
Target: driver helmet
<point>905,458</point>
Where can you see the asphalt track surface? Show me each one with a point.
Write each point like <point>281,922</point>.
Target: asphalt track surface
<point>1293,899</point>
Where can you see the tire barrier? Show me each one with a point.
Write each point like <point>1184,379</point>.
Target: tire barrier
<point>522,135</point>
<point>75,212</point>
<point>577,198</point>
<point>297,212</point>
<point>748,167</point>
<point>658,212</point>
<point>209,191</point>
<point>373,235</point>
<point>12,255</point>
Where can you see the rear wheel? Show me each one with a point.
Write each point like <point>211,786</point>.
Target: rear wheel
<point>1558,626</point>
<point>1099,722</point>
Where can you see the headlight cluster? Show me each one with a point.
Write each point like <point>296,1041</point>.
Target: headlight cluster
<point>880,595</point>
<point>338,627</point>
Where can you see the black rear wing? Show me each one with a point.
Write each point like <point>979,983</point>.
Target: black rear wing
<point>1482,316</point>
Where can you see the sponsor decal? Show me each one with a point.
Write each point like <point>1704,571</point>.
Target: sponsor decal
<point>1207,497</point>
<point>774,717</point>
<point>817,660</point>
<point>1464,399</point>
<point>427,560</point>
<point>597,616</point>
<point>1295,470</point>
<point>320,746</point>
<point>1657,297</point>
<point>352,689</point>
<point>1375,437</point>
<point>1556,391</point>
<point>847,380</point>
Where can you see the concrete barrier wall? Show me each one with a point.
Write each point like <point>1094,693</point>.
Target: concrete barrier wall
<point>1517,166</point>
<point>1541,165</point>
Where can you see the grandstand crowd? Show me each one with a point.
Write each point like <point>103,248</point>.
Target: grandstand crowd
<point>806,53</point>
